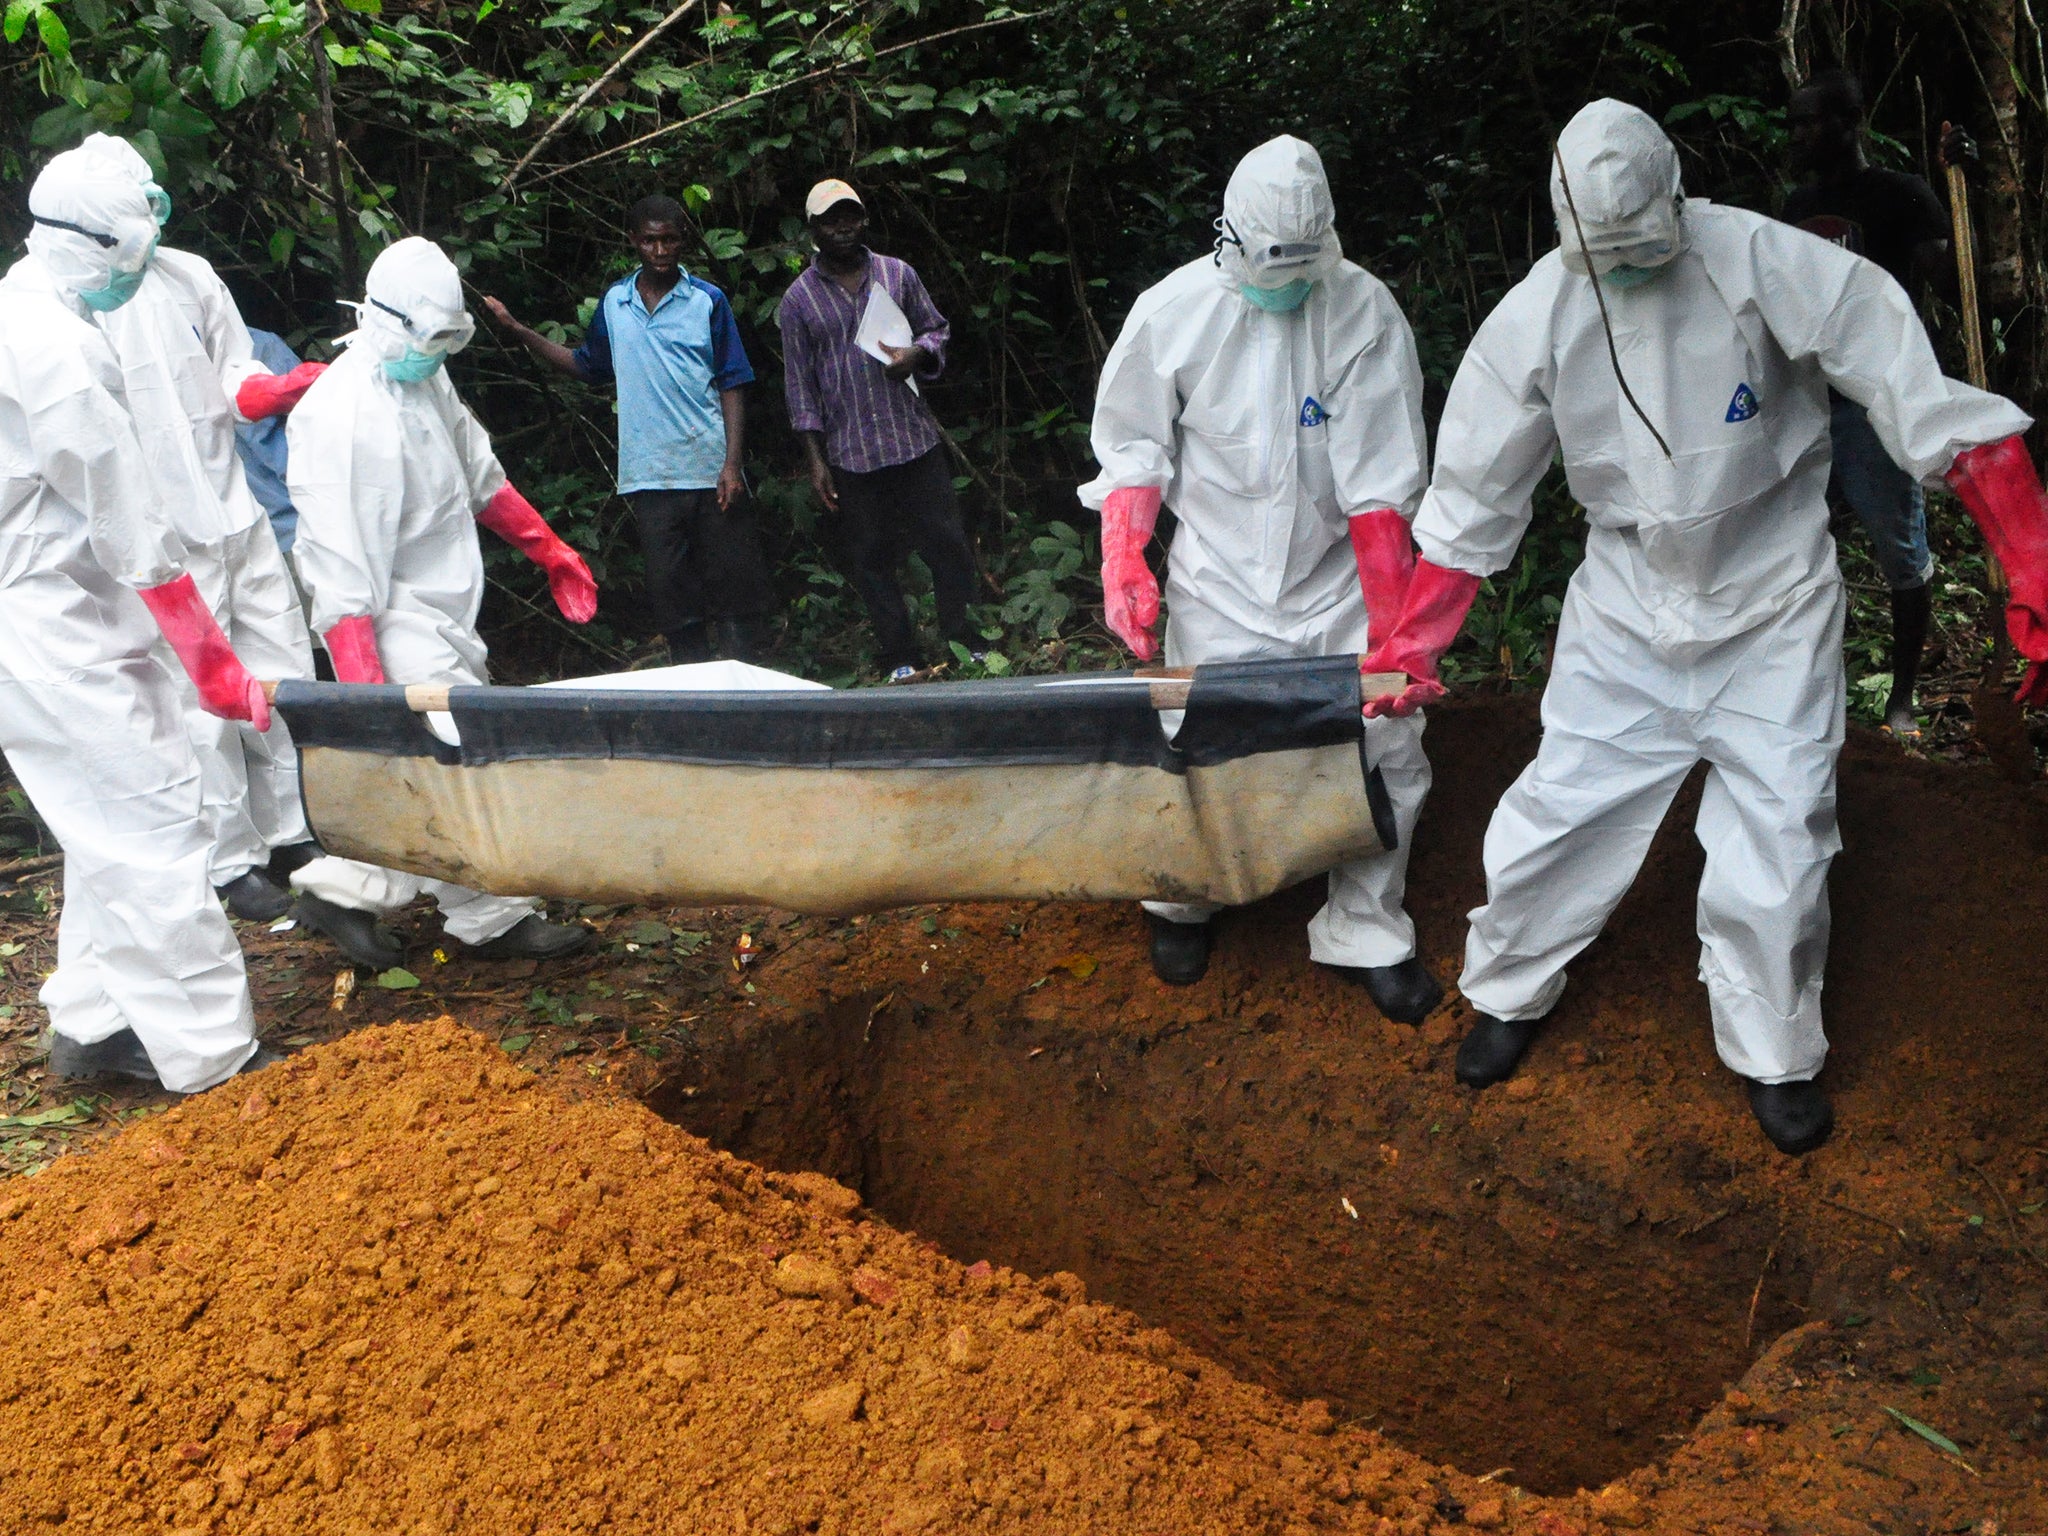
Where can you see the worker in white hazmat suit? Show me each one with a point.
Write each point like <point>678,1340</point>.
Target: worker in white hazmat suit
<point>391,475</point>
<point>1705,623</point>
<point>1270,394</point>
<point>187,364</point>
<point>149,981</point>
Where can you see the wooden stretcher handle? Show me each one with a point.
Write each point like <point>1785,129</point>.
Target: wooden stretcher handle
<point>1169,689</point>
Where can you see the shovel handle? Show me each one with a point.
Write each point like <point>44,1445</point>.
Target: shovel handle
<point>1966,275</point>
<point>1973,335</point>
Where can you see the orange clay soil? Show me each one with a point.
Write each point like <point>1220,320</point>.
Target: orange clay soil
<point>396,1285</point>
<point>399,1285</point>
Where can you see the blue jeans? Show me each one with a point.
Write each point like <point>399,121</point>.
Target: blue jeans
<point>1886,500</point>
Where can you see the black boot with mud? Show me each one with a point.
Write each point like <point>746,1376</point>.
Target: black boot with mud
<point>1180,951</point>
<point>1796,1116</point>
<point>119,1055</point>
<point>533,937</point>
<point>1492,1049</point>
<point>1404,992</point>
<point>358,935</point>
<point>255,898</point>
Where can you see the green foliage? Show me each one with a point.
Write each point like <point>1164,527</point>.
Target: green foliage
<point>1039,165</point>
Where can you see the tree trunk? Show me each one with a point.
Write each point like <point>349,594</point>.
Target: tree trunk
<point>2006,255</point>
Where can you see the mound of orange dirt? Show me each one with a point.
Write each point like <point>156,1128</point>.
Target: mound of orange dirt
<point>393,1285</point>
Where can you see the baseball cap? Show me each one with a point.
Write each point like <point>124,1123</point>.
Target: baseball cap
<point>826,194</point>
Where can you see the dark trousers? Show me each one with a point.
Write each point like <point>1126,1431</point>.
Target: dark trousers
<point>885,515</point>
<point>702,563</point>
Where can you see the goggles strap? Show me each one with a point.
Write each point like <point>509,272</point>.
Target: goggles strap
<point>107,241</point>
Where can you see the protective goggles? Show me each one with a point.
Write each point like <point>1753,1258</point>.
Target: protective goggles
<point>1648,239</point>
<point>1271,265</point>
<point>129,254</point>
<point>436,339</point>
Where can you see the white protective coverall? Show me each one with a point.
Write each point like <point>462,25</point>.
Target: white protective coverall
<point>1264,432</point>
<point>184,351</point>
<point>89,713</point>
<point>1706,619</point>
<point>388,479</point>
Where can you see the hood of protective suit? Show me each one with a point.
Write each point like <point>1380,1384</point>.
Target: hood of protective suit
<point>93,229</point>
<point>1624,181</point>
<point>412,304</point>
<point>1279,224</point>
<point>125,157</point>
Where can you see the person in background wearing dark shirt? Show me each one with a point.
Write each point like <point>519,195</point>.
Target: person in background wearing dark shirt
<point>1894,219</point>
<point>876,457</point>
<point>668,340</point>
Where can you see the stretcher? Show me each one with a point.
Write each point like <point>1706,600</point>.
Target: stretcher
<point>723,784</point>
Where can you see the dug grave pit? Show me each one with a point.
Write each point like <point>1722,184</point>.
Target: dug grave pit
<point>1323,1243</point>
<point>1557,1277</point>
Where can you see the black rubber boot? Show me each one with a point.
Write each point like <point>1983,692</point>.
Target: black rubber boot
<point>1180,951</point>
<point>122,1055</point>
<point>1492,1049</point>
<point>292,857</point>
<point>255,897</point>
<point>358,935</point>
<point>533,937</point>
<point>1405,992</point>
<point>1796,1116</point>
<point>119,1055</point>
<point>1911,610</point>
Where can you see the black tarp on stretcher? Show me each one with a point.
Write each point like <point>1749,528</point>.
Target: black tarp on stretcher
<point>836,802</point>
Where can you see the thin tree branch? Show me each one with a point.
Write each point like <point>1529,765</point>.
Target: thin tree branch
<point>569,113</point>
<point>330,148</point>
<point>770,90</point>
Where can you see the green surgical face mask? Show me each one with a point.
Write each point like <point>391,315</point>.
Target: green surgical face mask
<point>1629,277</point>
<point>159,203</point>
<point>1278,300</point>
<point>413,367</point>
<point>121,287</point>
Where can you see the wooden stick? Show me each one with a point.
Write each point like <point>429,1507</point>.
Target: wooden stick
<point>570,112</point>
<point>1973,332</point>
<point>19,869</point>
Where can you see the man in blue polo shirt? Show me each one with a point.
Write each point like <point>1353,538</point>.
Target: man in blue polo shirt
<point>669,341</point>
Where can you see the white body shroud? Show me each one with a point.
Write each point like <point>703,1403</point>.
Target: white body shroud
<point>184,351</point>
<point>1264,432</point>
<point>1706,620</point>
<point>388,479</point>
<point>89,715</point>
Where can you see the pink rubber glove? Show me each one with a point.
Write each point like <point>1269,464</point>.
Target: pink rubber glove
<point>1386,564</point>
<point>512,518</point>
<point>270,394</point>
<point>1998,484</point>
<point>1431,617</point>
<point>225,687</point>
<point>352,647</point>
<point>1130,592</point>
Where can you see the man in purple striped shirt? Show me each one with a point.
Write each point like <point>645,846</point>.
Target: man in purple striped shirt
<point>876,457</point>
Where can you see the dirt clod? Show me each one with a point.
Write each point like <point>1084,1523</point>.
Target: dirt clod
<point>834,1405</point>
